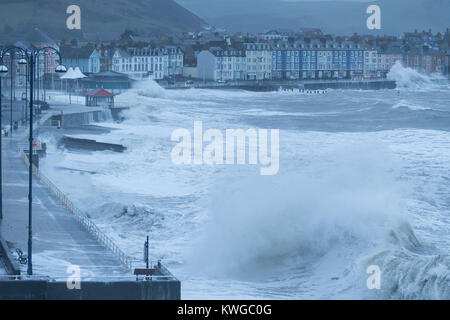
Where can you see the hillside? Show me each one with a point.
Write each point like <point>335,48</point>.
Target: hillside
<point>144,16</point>
<point>334,16</point>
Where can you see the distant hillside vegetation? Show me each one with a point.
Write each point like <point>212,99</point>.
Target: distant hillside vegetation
<point>144,16</point>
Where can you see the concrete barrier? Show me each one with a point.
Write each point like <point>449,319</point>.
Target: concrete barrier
<point>87,144</point>
<point>23,290</point>
<point>90,290</point>
<point>355,85</point>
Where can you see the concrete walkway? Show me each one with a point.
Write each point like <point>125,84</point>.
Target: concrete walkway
<point>58,239</point>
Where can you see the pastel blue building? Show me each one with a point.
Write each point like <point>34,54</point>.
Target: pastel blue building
<point>312,63</point>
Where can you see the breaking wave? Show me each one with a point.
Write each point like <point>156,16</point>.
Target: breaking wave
<point>147,88</point>
<point>412,269</point>
<point>407,78</point>
<point>413,107</point>
<point>332,214</point>
<point>345,216</point>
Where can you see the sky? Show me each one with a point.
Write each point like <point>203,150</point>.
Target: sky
<point>337,16</point>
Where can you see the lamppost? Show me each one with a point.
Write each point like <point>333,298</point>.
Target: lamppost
<point>11,95</point>
<point>3,71</point>
<point>30,58</point>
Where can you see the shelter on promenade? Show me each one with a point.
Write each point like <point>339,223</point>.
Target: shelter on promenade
<point>99,97</point>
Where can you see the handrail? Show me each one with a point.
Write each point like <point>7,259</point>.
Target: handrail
<point>84,221</point>
<point>88,278</point>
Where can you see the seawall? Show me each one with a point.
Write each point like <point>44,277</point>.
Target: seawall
<point>92,145</point>
<point>275,85</point>
<point>355,85</point>
<point>90,290</point>
<point>76,119</point>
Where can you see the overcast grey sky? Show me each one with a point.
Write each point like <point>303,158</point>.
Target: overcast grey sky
<point>334,16</point>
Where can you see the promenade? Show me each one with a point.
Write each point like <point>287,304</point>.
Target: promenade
<point>58,239</point>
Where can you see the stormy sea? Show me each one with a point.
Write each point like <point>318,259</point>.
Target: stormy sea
<point>363,180</point>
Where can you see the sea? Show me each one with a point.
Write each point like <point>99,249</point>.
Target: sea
<point>362,191</point>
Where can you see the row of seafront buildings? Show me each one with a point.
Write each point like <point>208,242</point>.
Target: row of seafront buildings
<point>268,56</point>
<point>312,60</point>
<point>218,56</point>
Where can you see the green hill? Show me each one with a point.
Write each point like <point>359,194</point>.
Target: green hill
<point>144,16</point>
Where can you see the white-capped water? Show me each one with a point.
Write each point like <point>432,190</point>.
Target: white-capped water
<point>364,179</point>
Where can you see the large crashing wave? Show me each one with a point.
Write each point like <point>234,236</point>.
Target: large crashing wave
<point>337,219</point>
<point>146,88</point>
<point>407,78</point>
<point>412,269</point>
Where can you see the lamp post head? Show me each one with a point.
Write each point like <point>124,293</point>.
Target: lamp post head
<point>3,70</point>
<point>22,61</point>
<point>61,69</point>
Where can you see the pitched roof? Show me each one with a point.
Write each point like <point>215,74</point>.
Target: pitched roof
<point>99,93</point>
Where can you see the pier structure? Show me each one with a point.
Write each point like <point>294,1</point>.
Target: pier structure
<point>275,85</point>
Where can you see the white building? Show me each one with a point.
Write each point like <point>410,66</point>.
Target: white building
<point>273,35</point>
<point>222,64</point>
<point>175,60</point>
<point>383,64</point>
<point>370,63</point>
<point>324,63</point>
<point>157,63</point>
<point>259,61</point>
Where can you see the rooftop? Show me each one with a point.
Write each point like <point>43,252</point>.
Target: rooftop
<point>99,93</point>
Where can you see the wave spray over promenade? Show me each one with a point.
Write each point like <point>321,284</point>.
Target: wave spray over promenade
<point>363,180</point>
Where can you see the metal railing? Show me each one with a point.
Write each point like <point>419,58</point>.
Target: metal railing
<point>84,221</point>
<point>24,277</point>
<point>90,278</point>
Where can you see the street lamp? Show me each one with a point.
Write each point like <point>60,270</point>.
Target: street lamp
<point>23,62</point>
<point>3,71</point>
<point>59,69</point>
<point>30,58</point>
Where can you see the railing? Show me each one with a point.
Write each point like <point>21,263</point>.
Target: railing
<point>89,278</point>
<point>85,222</point>
<point>268,82</point>
<point>24,277</point>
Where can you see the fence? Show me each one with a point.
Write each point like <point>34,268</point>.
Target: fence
<point>85,222</point>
